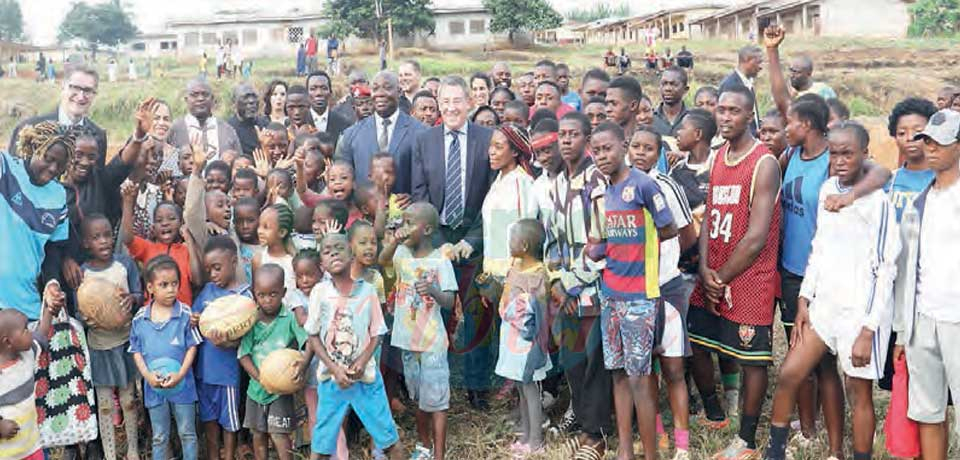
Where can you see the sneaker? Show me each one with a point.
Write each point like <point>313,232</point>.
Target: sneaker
<point>568,423</point>
<point>731,398</point>
<point>715,425</point>
<point>547,400</point>
<point>681,455</point>
<point>737,450</point>
<point>421,453</point>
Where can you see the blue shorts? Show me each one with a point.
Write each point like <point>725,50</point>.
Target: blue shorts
<point>367,400</point>
<point>427,375</point>
<point>628,334</point>
<point>219,403</point>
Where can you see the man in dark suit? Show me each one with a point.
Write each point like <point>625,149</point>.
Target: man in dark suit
<point>324,119</point>
<point>246,119</point>
<point>451,170</point>
<point>749,65</point>
<point>76,98</point>
<point>388,130</point>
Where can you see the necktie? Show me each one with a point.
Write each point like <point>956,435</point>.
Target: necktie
<point>384,140</point>
<point>453,203</point>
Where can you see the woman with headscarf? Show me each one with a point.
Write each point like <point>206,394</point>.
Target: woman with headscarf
<point>510,198</point>
<point>32,213</point>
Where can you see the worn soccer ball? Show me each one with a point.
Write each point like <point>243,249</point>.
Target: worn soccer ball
<point>99,300</point>
<point>230,317</point>
<point>279,372</point>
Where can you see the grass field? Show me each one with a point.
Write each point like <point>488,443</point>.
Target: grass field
<point>871,76</point>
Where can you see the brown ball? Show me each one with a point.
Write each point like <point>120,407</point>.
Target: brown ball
<point>231,316</point>
<point>99,300</point>
<point>279,372</point>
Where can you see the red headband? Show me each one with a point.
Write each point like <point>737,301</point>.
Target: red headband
<point>545,141</point>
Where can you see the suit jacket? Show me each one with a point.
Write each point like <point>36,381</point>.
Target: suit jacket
<point>358,145</point>
<point>336,123</point>
<point>99,133</point>
<point>428,177</point>
<point>226,136</point>
<point>734,80</point>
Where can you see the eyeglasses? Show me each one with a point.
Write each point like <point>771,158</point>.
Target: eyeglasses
<point>86,91</point>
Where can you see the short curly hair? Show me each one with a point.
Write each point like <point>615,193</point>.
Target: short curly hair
<point>909,106</point>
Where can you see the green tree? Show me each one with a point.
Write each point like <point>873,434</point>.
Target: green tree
<point>359,17</point>
<point>935,17</point>
<point>513,16</point>
<point>103,24</point>
<point>11,20</point>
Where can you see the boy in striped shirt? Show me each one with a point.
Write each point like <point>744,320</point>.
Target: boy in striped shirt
<point>19,433</point>
<point>637,218</point>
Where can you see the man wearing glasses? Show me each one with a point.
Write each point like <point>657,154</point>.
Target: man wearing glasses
<point>76,98</point>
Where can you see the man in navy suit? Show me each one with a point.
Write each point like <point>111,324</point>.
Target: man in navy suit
<point>388,130</point>
<point>749,65</point>
<point>451,171</point>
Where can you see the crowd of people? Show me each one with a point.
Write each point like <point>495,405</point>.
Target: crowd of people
<point>583,241</point>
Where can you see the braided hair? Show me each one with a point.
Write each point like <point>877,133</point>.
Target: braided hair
<point>285,220</point>
<point>36,139</point>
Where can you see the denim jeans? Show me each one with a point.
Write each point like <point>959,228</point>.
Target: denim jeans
<point>186,417</point>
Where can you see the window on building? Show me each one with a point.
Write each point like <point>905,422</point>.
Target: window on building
<point>231,37</point>
<point>250,37</point>
<point>210,38</point>
<point>173,45</point>
<point>681,27</point>
<point>478,26</point>
<point>191,39</point>
<point>456,28</point>
<point>295,34</point>
<point>165,45</point>
<point>139,46</point>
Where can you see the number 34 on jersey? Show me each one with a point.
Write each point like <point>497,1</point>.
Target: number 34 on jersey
<point>721,222</point>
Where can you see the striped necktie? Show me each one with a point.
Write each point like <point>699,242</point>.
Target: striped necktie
<point>453,202</point>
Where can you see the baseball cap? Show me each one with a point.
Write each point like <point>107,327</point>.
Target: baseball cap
<point>943,127</point>
<point>360,90</point>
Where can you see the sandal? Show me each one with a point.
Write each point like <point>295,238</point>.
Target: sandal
<point>590,452</point>
<point>572,445</point>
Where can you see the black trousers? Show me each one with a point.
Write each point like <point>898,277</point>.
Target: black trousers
<point>591,384</point>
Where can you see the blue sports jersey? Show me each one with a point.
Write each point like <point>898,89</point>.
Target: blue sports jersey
<point>215,365</point>
<point>904,186</point>
<point>634,210</point>
<point>168,340</point>
<point>30,216</point>
<point>800,199</point>
<point>572,99</point>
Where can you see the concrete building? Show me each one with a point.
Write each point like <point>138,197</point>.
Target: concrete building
<point>154,45</point>
<point>867,18</point>
<point>670,23</point>
<point>253,33</point>
<point>464,24</point>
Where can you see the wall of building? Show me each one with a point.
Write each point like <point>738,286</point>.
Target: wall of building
<point>458,30</point>
<point>871,18</point>
<point>253,39</point>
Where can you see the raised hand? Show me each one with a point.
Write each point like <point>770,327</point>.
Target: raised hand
<point>144,116</point>
<point>199,154</point>
<point>261,163</point>
<point>129,191</point>
<point>773,36</point>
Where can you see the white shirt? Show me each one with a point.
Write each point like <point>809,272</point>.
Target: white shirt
<point>680,208</point>
<point>66,120</point>
<point>320,121</point>
<point>447,140</point>
<point>747,81</point>
<point>937,287</point>
<point>213,139</point>
<point>393,124</point>
<point>853,259</point>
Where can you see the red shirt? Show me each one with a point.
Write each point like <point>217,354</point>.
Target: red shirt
<point>143,250</point>
<point>311,46</point>
<point>728,204</point>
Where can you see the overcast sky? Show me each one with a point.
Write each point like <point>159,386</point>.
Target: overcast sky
<point>42,17</point>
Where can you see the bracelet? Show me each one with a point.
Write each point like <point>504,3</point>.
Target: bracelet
<point>140,140</point>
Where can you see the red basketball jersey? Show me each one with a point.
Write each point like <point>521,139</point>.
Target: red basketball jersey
<point>751,296</point>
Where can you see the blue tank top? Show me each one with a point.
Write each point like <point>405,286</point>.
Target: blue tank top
<point>800,198</point>
<point>904,187</point>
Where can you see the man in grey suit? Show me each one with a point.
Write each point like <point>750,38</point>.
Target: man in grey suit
<point>451,170</point>
<point>388,130</point>
<point>217,135</point>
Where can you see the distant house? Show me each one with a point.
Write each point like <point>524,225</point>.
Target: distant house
<point>867,18</point>
<point>669,23</point>
<point>463,23</point>
<point>254,33</point>
<point>154,45</point>
<point>563,35</point>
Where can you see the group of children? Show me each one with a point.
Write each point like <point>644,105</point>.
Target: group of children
<point>609,224</point>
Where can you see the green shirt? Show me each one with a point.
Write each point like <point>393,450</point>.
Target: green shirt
<point>265,338</point>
